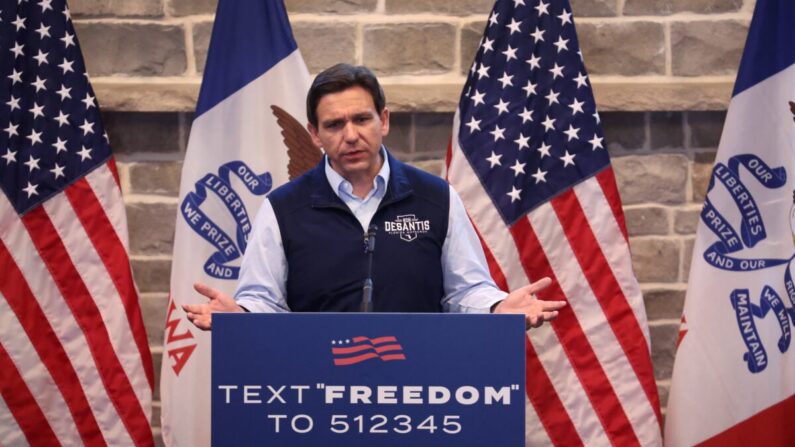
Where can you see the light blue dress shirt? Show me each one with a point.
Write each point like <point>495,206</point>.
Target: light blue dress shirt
<point>468,286</point>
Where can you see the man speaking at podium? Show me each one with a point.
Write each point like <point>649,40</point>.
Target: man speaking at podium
<point>306,252</point>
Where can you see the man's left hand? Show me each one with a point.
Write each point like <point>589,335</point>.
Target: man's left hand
<point>201,315</point>
<point>524,301</point>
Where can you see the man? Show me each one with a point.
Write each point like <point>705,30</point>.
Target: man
<point>306,251</point>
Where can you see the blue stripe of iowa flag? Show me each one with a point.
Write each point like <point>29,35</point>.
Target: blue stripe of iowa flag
<point>770,47</point>
<point>238,44</point>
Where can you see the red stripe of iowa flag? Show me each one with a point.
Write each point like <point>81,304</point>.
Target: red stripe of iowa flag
<point>359,349</point>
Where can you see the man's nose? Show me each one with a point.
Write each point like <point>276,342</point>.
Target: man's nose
<point>350,134</point>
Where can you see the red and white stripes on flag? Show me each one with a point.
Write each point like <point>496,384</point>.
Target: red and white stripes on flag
<point>589,373</point>
<point>75,366</point>
<point>528,160</point>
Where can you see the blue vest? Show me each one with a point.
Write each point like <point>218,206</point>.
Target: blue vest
<point>324,243</point>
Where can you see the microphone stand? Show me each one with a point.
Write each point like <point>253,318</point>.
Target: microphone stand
<point>367,288</point>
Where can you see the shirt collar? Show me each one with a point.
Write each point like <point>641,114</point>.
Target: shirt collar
<point>342,186</point>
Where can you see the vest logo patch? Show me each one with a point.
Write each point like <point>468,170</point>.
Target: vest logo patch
<point>407,227</point>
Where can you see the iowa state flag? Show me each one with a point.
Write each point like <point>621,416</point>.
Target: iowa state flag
<point>734,374</point>
<point>236,155</point>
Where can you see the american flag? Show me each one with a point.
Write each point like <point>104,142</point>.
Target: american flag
<point>359,349</point>
<point>75,366</point>
<point>529,160</point>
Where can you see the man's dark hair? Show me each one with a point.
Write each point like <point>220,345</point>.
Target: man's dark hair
<point>342,77</point>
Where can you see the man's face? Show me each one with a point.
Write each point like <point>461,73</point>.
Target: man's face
<point>350,130</point>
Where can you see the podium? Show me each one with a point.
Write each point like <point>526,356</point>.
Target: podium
<point>374,379</point>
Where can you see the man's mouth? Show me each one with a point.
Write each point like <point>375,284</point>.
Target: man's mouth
<point>354,153</point>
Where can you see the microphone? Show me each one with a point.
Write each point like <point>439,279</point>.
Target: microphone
<point>367,288</point>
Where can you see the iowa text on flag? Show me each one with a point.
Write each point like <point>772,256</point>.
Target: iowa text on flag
<point>733,381</point>
<point>529,160</point>
<point>359,349</point>
<point>75,366</point>
<point>255,82</point>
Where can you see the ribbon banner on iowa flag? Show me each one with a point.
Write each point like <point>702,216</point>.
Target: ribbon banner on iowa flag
<point>75,367</point>
<point>235,156</point>
<point>529,161</point>
<point>734,374</point>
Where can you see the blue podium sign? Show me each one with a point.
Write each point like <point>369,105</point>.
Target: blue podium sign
<point>324,379</point>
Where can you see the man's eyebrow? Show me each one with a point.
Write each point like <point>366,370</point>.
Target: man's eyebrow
<point>332,122</point>
<point>355,116</point>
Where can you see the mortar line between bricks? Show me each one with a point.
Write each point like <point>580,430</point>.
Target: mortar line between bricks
<point>167,8</point>
<point>358,46</point>
<point>376,21</point>
<point>195,80</point>
<point>439,17</point>
<point>124,176</point>
<point>684,263</point>
<point>190,50</point>
<point>689,182</point>
<point>666,206</point>
<point>146,199</point>
<point>389,18</point>
<point>171,21</point>
<point>424,17</point>
<point>669,57</point>
<point>184,132</point>
<point>149,157</point>
<point>457,62</point>
<point>136,257</point>
<point>688,134</point>
<point>152,295</point>
<point>657,237</point>
<point>654,286</point>
<point>664,322</point>
<point>678,17</point>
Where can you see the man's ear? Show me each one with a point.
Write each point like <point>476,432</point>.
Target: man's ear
<point>313,133</point>
<point>385,122</point>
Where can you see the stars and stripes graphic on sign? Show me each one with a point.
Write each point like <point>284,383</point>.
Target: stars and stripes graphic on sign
<point>359,349</point>
<point>75,366</point>
<point>529,160</point>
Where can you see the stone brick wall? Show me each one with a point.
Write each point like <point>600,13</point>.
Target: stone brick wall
<point>662,72</point>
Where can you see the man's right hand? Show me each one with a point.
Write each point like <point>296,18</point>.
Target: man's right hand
<point>524,301</point>
<point>201,314</point>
